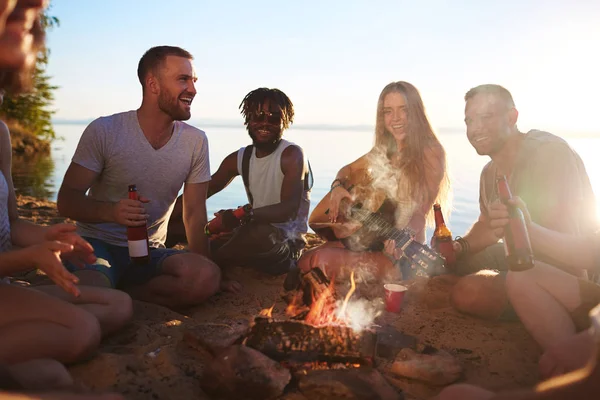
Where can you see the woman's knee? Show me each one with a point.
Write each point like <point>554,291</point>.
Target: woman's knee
<point>120,308</point>
<point>85,336</point>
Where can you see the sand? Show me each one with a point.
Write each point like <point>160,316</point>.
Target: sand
<point>149,359</point>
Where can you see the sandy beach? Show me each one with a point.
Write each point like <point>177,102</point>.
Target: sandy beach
<point>152,359</point>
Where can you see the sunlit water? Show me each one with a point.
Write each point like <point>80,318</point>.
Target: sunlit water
<point>327,150</point>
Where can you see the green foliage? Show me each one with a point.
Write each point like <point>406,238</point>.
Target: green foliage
<point>32,110</point>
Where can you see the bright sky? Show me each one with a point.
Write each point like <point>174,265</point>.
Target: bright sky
<point>333,57</point>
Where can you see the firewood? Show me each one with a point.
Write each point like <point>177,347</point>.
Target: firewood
<point>439,368</point>
<point>358,383</point>
<point>240,372</point>
<point>299,342</point>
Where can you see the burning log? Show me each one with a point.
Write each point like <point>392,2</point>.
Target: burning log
<point>296,341</point>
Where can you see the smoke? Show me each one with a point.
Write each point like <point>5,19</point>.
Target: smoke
<point>360,313</point>
<point>394,184</point>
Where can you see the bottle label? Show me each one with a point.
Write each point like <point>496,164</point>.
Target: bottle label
<point>138,248</point>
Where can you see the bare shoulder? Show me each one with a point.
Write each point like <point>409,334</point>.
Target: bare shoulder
<point>293,151</point>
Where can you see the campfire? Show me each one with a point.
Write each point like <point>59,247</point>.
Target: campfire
<point>330,333</point>
<point>329,347</point>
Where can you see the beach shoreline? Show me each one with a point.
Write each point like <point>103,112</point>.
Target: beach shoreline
<point>152,359</point>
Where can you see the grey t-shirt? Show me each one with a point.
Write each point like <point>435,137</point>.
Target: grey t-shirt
<point>116,148</point>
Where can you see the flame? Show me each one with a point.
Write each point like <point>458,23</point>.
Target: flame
<point>348,295</point>
<point>267,312</point>
<point>325,310</point>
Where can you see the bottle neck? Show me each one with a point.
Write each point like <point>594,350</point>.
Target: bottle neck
<point>503,189</point>
<point>439,218</point>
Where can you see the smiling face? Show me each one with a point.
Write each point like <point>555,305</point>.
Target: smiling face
<point>19,29</point>
<point>394,115</point>
<point>177,89</point>
<point>489,122</point>
<point>265,126</point>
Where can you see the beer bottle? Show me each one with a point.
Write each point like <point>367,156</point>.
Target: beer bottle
<point>216,225</point>
<point>516,238</point>
<point>137,237</point>
<point>443,237</point>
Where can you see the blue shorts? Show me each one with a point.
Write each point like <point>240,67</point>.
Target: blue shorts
<point>113,261</point>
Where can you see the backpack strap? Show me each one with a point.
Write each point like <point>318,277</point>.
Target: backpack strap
<point>246,171</point>
<point>308,178</point>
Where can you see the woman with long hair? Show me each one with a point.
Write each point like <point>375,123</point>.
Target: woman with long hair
<point>47,325</point>
<point>401,178</point>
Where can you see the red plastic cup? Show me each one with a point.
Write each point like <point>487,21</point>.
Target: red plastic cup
<point>394,294</point>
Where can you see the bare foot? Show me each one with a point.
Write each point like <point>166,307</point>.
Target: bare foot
<point>41,374</point>
<point>228,285</point>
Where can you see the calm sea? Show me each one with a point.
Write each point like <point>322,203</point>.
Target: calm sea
<point>327,150</point>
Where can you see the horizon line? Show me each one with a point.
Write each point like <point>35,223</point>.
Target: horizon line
<point>224,123</point>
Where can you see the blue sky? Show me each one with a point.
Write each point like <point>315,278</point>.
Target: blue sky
<point>333,58</point>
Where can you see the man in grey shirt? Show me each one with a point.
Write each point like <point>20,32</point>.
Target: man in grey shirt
<point>151,148</point>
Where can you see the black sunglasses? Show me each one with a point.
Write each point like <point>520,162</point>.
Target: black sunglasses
<point>270,117</point>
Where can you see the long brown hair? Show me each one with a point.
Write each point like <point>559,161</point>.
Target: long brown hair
<point>419,137</point>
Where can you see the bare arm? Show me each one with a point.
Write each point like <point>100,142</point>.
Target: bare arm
<point>480,236</point>
<point>224,175</point>
<point>292,166</point>
<point>568,250</point>
<point>74,203</point>
<point>194,216</point>
<point>345,174</point>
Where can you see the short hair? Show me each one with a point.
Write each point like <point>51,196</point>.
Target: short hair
<point>495,90</point>
<point>256,98</point>
<point>153,59</point>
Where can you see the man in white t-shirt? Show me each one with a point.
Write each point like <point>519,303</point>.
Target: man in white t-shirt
<point>151,148</point>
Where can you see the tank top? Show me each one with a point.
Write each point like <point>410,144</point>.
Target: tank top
<point>265,180</point>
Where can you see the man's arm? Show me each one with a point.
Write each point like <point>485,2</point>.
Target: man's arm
<point>568,250</point>
<point>74,203</point>
<point>293,168</point>
<point>224,175</point>
<point>479,237</point>
<point>194,216</point>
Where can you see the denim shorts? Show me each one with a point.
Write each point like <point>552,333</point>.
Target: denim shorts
<point>113,261</point>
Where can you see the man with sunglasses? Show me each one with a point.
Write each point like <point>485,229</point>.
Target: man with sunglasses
<point>276,177</point>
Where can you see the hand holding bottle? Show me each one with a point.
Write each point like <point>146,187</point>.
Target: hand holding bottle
<point>130,212</point>
<point>499,214</point>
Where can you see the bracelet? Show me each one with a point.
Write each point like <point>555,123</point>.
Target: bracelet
<point>465,247</point>
<point>335,186</point>
<point>339,181</point>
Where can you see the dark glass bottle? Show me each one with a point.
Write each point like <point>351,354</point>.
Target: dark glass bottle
<point>516,237</point>
<point>443,237</point>
<point>137,237</point>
